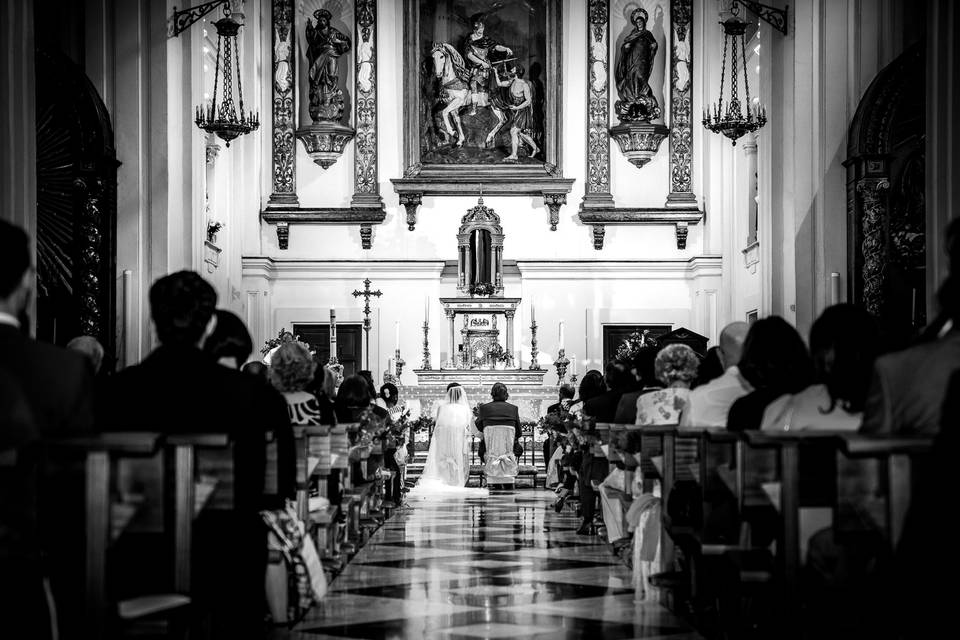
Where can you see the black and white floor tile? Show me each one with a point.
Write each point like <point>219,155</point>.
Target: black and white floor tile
<point>505,566</point>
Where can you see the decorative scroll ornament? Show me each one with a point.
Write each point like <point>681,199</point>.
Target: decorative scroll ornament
<point>284,149</point>
<point>639,141</point>
<point>873,191</point>
<point>681,101</point>
<point>736,119</point>
<point>325,139</point>
<point>225,121</point>
<point>90,240</point>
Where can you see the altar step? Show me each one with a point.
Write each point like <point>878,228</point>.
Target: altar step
<point>415,468</point>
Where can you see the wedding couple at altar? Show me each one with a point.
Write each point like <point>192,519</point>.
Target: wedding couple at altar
<point>448,458</point>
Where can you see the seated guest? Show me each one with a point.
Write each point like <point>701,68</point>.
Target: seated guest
<point>711,367</point>
<point>89,347</point>
<point>843,343</point>
<point>180,389</point>
<point>255,369</point>
<point>774,362</point>
<point>291,372</point>
<point>603,408</point>
<point>676,367</point>
<point>644,371</point>
<point>591,386</point>
<point>57,383</point>
<point>354,399</point>
<point>709,404</point>
<point>390,396</point>
<point>909,387</point>
<point>230,343</point>
<point>567,392</point>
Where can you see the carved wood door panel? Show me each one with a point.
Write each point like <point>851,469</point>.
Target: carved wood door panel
<point>349,344</point>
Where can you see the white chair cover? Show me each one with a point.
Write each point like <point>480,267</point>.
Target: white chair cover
<point>501,465</point>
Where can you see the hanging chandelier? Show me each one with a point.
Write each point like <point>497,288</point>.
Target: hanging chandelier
<point>223,119</point>
<point>733,118</point>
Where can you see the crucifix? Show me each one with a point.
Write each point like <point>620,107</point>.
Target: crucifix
<point>366,293</point>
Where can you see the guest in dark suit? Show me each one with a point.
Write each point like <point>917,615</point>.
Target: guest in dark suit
<point>181,389</point>
<point>603,408</point>
<point>58,384</point>
<point>498,412</point>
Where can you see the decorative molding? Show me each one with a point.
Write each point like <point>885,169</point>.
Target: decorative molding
<point>598,106</point>
<point>91,190</point>
<point>554,201</point>
<point>324,141</point>
<point>410,202</point>
<point>366,183</point>
<point>639,141</point>
<point>678,217</point>
<point>873,192</point>
<point>320,215</point>
<point>284,143</point>
<point>681,105</point>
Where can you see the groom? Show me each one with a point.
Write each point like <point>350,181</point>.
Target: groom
<point>498,412</point>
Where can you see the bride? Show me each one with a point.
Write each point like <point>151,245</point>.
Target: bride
<point>448,459</point>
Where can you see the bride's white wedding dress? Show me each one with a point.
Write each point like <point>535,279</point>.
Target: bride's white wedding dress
<point>448,458</point>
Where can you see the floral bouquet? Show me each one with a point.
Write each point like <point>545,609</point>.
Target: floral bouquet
<point>629,348</point>
<point>482,289</point>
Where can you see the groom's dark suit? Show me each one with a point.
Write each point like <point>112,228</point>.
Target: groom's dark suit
<point>498,412</point>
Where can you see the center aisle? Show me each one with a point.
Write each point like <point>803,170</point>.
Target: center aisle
<point>503,566</point>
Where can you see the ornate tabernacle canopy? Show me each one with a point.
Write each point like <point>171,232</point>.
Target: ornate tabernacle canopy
<point>480,252</point>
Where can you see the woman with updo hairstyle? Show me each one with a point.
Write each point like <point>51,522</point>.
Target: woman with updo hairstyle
<point>292,369</point>
<point>591,386</point>
<point>676,368</point>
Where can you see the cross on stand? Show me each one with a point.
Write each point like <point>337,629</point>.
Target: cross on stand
<point>366,293</point>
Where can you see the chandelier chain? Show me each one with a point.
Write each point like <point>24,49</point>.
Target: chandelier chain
<point>734,107</point>
<point>723,75</point>
<point>746,80</point>
<point>216,78</point>
<point>227,108</point>
<point>240,86</point>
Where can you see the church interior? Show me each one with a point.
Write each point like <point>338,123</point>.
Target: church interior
<point>661,294</point>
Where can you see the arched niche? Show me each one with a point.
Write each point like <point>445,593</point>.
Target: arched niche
<point>480,250</point>
<point>886,254</point>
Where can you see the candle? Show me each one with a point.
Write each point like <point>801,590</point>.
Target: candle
<point>426,309</point>
<point>561,334</point>
<point>574,358</point>
<point>834,288</point>
<point>397,336</point>
<point>333,325</point>
<point>533,318</point>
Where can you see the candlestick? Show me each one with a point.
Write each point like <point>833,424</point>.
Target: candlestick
<point>534,366</point>
<point>426,346</point>
<point>398,363</point>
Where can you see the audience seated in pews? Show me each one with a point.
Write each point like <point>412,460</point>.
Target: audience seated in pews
<point>292,370</point>
<point>643,370</point>
<point>603,407</point>
<point>90,348</point>
<point>711,367</point>
<point>676,367</point>
<point>230,343</point>
<point>180,389</point>
<point>709,403</point>
<point>843,343</point>
<point>591,386</point>
<point>774,362</point>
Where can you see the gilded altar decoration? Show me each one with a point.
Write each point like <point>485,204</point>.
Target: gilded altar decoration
<point>637,107</point>
<point>325,139</point>
<point>482,101</point>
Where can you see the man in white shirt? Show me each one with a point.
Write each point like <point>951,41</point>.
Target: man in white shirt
<point>709,403</point>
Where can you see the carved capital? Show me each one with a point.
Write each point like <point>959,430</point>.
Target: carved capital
<point>324,141</point>
<point>554,201</point>
<point>450,313</point>
<point>510,313</point>
<point>366,236</point>
<point>639,141</point>
<point>411,201</point>
<point>283,235</point>
<point>599,231</point>
<point>213,150</point>
<point>681,230</point>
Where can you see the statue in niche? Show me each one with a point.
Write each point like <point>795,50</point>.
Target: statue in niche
<point>325,45</point>
<point>632,73</point>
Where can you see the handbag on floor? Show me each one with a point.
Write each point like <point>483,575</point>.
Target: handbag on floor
<point>295,578</point>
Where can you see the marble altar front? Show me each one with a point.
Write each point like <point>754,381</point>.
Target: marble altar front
<point>526,388</point>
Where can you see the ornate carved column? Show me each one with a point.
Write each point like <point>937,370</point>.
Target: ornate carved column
<point>873,192</point>
<point>451,339</point>
<point>681,105</point>
<point>284,123</point>
<point>510,346</point>
<point>597,188</point>
<point>366,192</point>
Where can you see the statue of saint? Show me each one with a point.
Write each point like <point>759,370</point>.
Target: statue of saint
<point>477,49</point>
<point>632,73</point>
<point>325,45</point>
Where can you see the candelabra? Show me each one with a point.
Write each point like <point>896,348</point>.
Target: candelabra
<point>561,364</point>
<point>398,364</point>
<point>534,366</point>
<point>426,346</point>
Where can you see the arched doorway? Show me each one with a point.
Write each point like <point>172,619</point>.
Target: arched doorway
<point>885,198</point>
<point>76,207</point>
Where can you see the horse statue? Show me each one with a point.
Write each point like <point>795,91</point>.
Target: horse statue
<point>454,77</point>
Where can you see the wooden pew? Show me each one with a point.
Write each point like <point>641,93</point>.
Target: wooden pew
<point>100,453</point>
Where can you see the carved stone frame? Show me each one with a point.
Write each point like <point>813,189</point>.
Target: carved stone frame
<point>366,207</point>
<point>421,179</point>
<point>597,207</point>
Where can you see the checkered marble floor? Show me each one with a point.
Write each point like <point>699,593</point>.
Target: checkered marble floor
<point>503,566</point>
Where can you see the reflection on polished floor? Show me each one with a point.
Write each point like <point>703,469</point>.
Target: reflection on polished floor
<point>503,566</point>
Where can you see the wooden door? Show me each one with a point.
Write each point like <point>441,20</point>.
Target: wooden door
<point>349,344</point>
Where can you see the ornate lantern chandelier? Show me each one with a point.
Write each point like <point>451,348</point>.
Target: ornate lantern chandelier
<point>734,119</point>
<point>223,119</point>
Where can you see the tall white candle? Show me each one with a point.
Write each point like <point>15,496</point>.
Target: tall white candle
<point>533,317</point>
<point>834,288</point>
<point>426,309</point>
<point>574,359</point>
<point>561,334</point>
<point>397,336</point>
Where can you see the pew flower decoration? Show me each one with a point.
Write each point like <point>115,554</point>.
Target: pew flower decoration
<point>630,347</point>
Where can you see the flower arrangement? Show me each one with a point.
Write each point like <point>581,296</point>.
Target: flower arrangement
<point>213,226</point>
<point>629,348</point>
<point>497,353</point>
<point>482,289</point>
